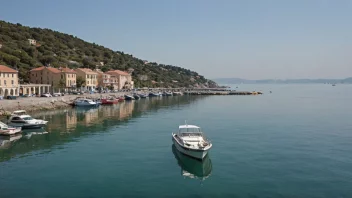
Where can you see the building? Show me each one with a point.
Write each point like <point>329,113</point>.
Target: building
<point>69,76</point>
<point>124,79</point>
<point>90,77</point>
<point>32,42</point>
<point>60,79</point>
<point>9,85</point>
<point>107,81</point>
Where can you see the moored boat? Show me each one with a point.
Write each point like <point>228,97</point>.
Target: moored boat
<point>151,94</point>
<point>85,103</point>
<point>136,96</point>
<point>191,141</point>
<point>177,93</point>
<point>129,97</point>
<point>121,99</point>
<point>109,101</point>
<point>143,95</point>
<point>6,130</point>
<point>21,119</point>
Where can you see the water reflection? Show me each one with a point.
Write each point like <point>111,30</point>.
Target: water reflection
<point>191,167</point>
<point>7,141</point>
<point>66,125</point>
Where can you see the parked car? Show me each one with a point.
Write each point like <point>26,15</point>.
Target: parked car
<point>47,95</point>
<point>58,94</point>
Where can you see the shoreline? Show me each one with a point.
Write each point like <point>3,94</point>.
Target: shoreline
<point>41,103</point>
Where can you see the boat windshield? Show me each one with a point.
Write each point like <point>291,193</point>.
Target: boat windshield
<point>189,130</point>
<point>27,118</point>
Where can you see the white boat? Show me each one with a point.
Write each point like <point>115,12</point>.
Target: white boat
<point>21,119</point>
<point>6,130</point>
<point>191,141</point>
<point>85,103</point>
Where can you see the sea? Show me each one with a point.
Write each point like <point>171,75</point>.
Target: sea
<point>293,141</point>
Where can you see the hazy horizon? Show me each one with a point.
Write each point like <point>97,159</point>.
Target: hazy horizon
<point>218,39</point>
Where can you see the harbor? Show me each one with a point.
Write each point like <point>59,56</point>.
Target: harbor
<point>59,102</point>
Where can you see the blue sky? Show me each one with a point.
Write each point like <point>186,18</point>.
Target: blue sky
<point>251,39</point>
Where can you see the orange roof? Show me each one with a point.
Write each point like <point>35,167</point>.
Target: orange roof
<point>86,70</point>
<point>119,72</point>
<point>6,69</point>
<point>38,68</point>
<point>68,70</point>
<point>54,70</point>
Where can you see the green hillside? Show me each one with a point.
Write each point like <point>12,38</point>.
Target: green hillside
<point>59,49</point>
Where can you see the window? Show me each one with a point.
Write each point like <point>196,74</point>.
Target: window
<point>12,75</point>
<point>4,82</point>
<point>12,82</point>
<point>3,75</point>
<point>8,75</point>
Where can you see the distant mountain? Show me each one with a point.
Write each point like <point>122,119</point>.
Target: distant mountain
<point>279,81</point>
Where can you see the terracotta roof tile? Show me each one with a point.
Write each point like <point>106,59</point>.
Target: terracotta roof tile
<point>88,71</point>
<point>68,70</point>
<point>119,72</point>
<point>6,69</point>
<point>54,70</point>
<point>38,68</point>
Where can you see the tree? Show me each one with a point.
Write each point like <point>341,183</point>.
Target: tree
<point>62,83</point>
<point>80,81</point>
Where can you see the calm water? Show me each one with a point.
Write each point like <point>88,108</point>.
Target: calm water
<point>294,142</point>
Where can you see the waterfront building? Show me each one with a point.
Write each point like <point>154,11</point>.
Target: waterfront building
<point>124,79</point>
<point>60,79</point>
<point>90,77</point>
<point>9,85</point>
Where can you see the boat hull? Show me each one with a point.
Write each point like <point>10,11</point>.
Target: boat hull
<point>28,126</point>
<point>197,154</point>
<point>109,102</point>
<point>11,131</point>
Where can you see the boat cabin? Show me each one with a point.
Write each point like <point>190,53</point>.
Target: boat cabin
<point>19,112</point>
<point>191,131</point>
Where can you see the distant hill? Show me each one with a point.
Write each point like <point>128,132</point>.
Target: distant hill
<point>61,50</point>
<point>288,81</point>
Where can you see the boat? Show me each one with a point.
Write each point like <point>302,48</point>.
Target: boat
<point>121,99</point>
<point>109,101</point>
<point>177,93</point>
<point>143,95</point>
<point>129,97</point>
<point>21,119</point>
<point>151,94</point>
<point>191,141</point>
<point>85,103</point>
<point>333,85</point>
<point>192,168</point>
<point>6,130</point>
<point>165,93</point>
<point>136,96</point>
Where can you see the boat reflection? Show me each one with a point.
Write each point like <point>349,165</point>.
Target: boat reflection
<point>6,141</point>
<point>30,132</point>
<point>191,167</point>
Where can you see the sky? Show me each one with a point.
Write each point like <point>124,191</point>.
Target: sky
<point>253,39</point>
